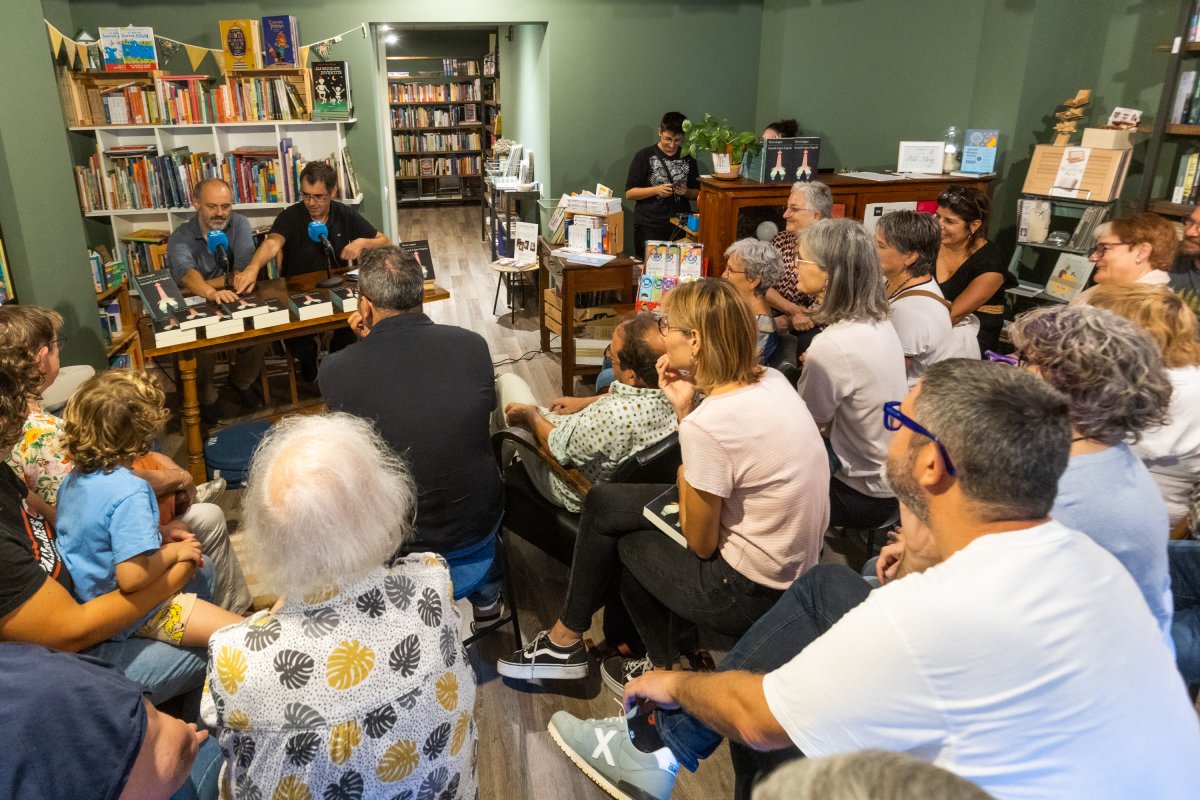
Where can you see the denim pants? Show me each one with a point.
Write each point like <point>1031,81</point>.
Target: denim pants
<point>1183,558</point>
<point>202,781</point>
<point>658,580</point>
<point>811,606</point>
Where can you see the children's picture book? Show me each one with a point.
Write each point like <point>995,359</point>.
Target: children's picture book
<point>129,48</point>
<point>276,314</point>
<point>331,90</point>
<point>345,299</point>
<point>656,257</point>
<point>311,304</point>
<point>1070,274</point>
<point>663,512</point>
<point>159,294</point>
<point>691,262</point>
<point>280,35</point>
<point>420,251</point>
<point>525,242</point>
<point>788,160</point>
<point>979,152</point>
<point>241,44</point>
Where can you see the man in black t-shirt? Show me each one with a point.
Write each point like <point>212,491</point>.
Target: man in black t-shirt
<point>663,183</point>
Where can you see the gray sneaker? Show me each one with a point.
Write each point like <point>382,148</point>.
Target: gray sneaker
<point>602,749</point>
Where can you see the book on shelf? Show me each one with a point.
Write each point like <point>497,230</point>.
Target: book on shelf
<point>1085,230</point>
<point>145,249</point>
<point>280,38</point>
<point>449,92</point>
<point>663,513</point>
<point>128,49</point>
<point>245,306</point>
<point>331,90</point>
<point>276,314</point>
<point>159,294</point>
<point>419,249</point>
<point>200,315</point>
<point>1181,109</point>
<point>787,160</point>
<point>241,44</point>
<point>121,361</point>
<point>344,298</point>
<point>310,305</point>
<point>1187,177</point>
<point>168,333</point>
<point>1071,273</point>
<point>348,180</point>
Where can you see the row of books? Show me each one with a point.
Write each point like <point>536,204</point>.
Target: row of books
<point>489,65</point>
<point>185,100</point>
<point>106,274</point>
<point>434,117</point>
<point>254,44</point>
<point>588,233</point>
<point>667,265</point>
<point>111,325</point>
<point>1194,23</point>
<point>1186,188</point>
<point>460,67</point>
<point>466,92</point>
<point>1186,109</point>
<point>145,249</point>
<point>430,167</point>
<point>436,142</point>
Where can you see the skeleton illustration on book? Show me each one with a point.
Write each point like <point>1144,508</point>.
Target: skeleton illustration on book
<point>165,302</point>
<point>778,171</point>
<point>804,172</point>
<point>322,92</point>
<point>337,94</point>
<point>310,300</point>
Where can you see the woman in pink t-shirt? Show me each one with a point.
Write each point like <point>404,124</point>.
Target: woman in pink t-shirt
<point>753,506</point>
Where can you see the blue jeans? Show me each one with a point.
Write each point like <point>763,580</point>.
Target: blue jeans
<point>811,606</point>
<point>1184,560</point>
<point>201,783</point>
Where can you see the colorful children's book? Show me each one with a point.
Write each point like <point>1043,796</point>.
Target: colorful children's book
<point>127,49</point>
<point>331,90</point>
<point>979,152</point>
<point>241,42</point>
<point>280,37</point>
<point>1070,274</point>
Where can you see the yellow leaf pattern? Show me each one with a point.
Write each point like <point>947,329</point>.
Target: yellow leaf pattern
<point>238,721</point>
<point>398,762</point>
<point>447,691</point>
<point>291,788</point>
<point>460,733</point>
<point>348,664</point>
<point>342,741</point>
<point>321,595</point>
<point>231,668</point>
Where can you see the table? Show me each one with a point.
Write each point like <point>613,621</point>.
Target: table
<point>185,354</point>
<point>500,201</point>
<point>728,209</point>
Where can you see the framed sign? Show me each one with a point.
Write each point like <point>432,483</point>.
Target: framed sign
<point>923,157</point>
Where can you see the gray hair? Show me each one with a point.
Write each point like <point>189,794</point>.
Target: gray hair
<point>866,775</point>
<point>760,260</point>
<point>1110,369</point>
<point>844,250</point>
<point>391,278</point>
<point>912,232</point>
<point>1007,433</point>
<point>327,500</point>
<point>817,196</point>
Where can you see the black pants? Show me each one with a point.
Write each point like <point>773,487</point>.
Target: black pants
<point>306,348</point>
<point>652,231</point>
<point>850,508</point>
<point>660,582</point>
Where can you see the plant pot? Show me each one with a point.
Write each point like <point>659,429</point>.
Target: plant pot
<point>723,168</point>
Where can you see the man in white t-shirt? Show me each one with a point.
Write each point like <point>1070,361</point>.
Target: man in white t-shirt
<point>978,660</point>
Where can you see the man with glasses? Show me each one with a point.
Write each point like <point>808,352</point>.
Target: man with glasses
<point>663,183</point>
<point>1185,273</point>
<point>1022,657</point>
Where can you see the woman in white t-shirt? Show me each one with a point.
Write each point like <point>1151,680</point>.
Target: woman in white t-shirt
<point>908,243</point>
<point>753,507</point>
<point>852,368</point>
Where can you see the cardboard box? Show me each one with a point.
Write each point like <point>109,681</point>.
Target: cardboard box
<point>1110,139</point>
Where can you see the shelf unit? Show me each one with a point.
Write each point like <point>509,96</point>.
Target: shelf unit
<point>1170,139</point>
<point>127,342</point>
<point>1034,263</point>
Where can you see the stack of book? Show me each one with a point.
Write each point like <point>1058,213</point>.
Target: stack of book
<point>146,249</point>
<point>165,305</point>
<point>311,304</point>
<point>331,91</point>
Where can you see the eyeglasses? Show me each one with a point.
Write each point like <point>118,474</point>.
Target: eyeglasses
<point>894,419</point>
<point>1191,223</point>
<point>60,342</point>
<point>313,198</point>
<point>800,260</point>
<point>962,195</point>
<point>1101,249</point>
<point>663,327</point>
<point>735,271</point>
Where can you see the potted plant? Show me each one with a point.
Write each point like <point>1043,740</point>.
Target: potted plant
<point>719,138</point>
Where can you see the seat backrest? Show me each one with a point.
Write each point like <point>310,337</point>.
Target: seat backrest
<point>657,463</point>
<point>786,357</point>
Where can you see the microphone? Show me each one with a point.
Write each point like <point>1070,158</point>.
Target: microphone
<point>218,245</point>
<point>319,233</point>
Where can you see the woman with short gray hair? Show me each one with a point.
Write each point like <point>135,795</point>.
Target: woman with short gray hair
<point>853,367</point>
<point>753,267</point>
<point>1113,376</point>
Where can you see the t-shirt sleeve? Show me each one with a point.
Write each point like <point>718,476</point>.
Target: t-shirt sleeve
<point>912,318</point>
<point>638,169</point>
<point>179,254</point>
<point>706,464</point>
<point>242,242</point>
<point>822,387</point>
<point>20,575</point>
<point>856,686</point>
<point>133,526</point>
<point>285,223</point>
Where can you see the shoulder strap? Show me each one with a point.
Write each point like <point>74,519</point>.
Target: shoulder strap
<point>922,293</point>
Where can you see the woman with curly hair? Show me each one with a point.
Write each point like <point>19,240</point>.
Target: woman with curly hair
<point>108,530</point>
<point>1112,374</point>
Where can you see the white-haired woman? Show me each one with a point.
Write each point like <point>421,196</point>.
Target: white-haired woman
<point>356,684</point>
<point>852,367</point>
<point>753,267</point>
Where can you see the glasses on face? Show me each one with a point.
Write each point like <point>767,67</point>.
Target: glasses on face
<point>800,260</point>
<point>663,327</point>
<point>60,342</point>
<point>313,198</point>
<point>894,419</point>
<point>1190,223</point>
<point>1101,249</point>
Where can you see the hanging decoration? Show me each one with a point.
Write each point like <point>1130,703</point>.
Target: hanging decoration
<point>196,54</point>
<point>56,40</point>
<point>304,53</point>
<point>167,48</point>
<point>324,49</point>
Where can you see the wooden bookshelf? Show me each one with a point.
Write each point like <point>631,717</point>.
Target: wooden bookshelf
<point>1171,139</point>
<point>126,341</point>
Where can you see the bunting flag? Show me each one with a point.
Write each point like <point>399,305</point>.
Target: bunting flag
<point>81,52</point>
<point>195,55</point>
<point>56,40</point>
<point>304,56</point>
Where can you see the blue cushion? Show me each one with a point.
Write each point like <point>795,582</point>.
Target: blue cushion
<point>227,452</point>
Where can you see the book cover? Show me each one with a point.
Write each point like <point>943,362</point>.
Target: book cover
<point>345,299</point>
<point>224,326</point>
<point>789,159</point>
<point>1070,274</point>
<point>656,257</point>
<point>167,332</point>
<point>673,257</point>
<point>248,306</point>
<point>663,512</point>
<point>198,316</point>
<point>525,251</point>
<point>159,294</point>
<point>310,305</point>
<point>279,34</point>
<point>419,249</point>
<point>111,50</point>
<point>137,47</point>
<point>979,152</point>
<point>239,43</point>
<point>276,314</point>
<point>331,90</point>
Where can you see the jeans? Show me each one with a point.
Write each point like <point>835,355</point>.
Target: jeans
<point>1183,558</point>
<point>811,606</point>
<point>850,508</point>
<point>202,781</point>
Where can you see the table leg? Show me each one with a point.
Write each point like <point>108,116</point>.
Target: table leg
<point>568,335</point>
<point>185,367</point>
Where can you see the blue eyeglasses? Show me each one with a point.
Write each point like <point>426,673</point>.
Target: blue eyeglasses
<point>894,419</point>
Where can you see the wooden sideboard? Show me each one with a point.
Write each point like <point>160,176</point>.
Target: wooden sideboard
<point>730,210</point>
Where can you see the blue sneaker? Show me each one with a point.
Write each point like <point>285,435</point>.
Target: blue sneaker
<point>603,750</point>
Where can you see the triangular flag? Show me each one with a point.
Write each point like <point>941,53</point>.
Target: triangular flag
<point>304,56</point>
<point>56,40</point>
<point>195,54</point>
<point>81,52</point>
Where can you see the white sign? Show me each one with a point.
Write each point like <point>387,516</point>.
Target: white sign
<point>923,157</point>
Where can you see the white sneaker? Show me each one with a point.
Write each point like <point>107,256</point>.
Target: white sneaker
<point>209,492</point>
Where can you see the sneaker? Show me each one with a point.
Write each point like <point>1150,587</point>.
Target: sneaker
<point>210,414</point>
<point>482,616</point>
<point>603,750</point>
<point>209,492</point>
<point>248,398</point>
<point>542,658</point>
<point>619,670</point>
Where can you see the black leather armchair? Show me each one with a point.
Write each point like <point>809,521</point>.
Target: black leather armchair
<point>786,357</point>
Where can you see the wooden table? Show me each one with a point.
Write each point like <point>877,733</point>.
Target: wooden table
<point>185,354</point>
<point>722,204</point>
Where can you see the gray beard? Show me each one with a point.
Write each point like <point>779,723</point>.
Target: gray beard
<point>899,476</point>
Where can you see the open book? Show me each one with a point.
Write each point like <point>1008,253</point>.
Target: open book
<point>663,511</point>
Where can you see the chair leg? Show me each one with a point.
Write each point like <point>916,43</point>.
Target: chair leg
<point>509,599</point>
<point>265,384</point>
<point>291,366</point>
<point>496,299</point>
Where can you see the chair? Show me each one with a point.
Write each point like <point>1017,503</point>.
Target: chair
<point>469,567</point>
<point>786,357</point>
<point>875,538</point>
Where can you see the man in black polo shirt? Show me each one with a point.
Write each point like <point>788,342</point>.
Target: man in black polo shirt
<point>430,390</point>
<point>349,234</point>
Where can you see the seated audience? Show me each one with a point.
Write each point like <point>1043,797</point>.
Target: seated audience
<point>430,391</point>
<point>851,368</point>
<point>874,774</point>
<point>108,529</point>
<point>808,204</point>
<point>907,242</point>
<point>753,267</point>
<point>1184,559</point>
<point>100,736</point>
<point>1172,451</point>
<point>1112,374</point>
<point>1185,273</point>
<point>603,434</point>
<point>753,505</point>
<point>971,271</point>
<point>36,605</point>
<point>356,683</point>
<point>1137,249</point>
<point>983,664</point>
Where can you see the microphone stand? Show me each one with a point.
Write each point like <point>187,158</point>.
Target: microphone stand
<point>330,279</point>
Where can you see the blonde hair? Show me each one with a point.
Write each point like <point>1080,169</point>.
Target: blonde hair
<point>1158,311</point>
<point>24,330</point>
<point>728,337</point>
<point>111,419</point>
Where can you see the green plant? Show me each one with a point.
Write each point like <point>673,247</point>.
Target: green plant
<point>718,136</point>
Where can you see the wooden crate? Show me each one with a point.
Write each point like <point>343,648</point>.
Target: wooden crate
<point>596,318</point>
<point>299,79</point>
<point>616,228</point>
<point>80,92</point>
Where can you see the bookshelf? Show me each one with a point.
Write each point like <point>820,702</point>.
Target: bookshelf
<point>120,329</point>
<point>440,139</point>
<point>1176,131</point>
<point>1058,252</point>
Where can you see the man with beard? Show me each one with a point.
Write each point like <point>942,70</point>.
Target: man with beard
<point>1011,651</point>
<point>1185,273</point>
<point>197,271</point>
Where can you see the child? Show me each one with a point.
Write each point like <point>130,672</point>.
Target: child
<point>108,531</point>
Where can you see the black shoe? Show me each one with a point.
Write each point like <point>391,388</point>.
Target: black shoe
<point>308,370</point>
<point>542,658</point>
<point>210,414</point>
<point>248,397</point>
<point>619,670</point>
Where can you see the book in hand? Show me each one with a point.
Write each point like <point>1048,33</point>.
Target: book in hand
<point>168,333</point>
<point>345,299</point>
<point>310,305</point>
<point>248,306</point>
<point>663,511</point>
<point>200,315</point>
<point>419,249</point>
<point>787,160</point>
<point>159,294</point>
<point>275,314</point>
